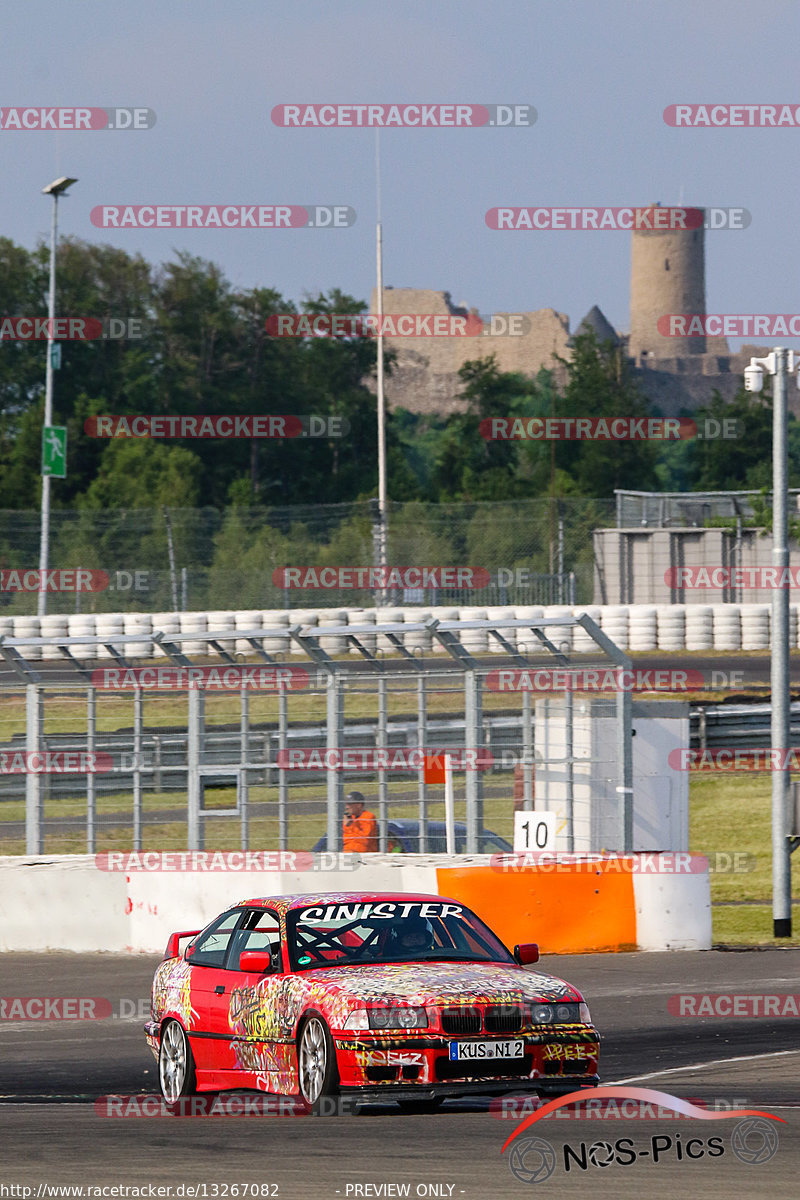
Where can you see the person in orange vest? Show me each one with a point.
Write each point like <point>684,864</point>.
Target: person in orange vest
<point>359,829</point>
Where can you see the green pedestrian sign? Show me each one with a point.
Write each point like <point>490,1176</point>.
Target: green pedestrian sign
<point>54,451</point>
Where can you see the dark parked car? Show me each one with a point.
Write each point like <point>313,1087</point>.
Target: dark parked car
<point>403,838</point>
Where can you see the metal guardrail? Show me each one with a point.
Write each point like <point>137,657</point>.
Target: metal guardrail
<point>742,725</point>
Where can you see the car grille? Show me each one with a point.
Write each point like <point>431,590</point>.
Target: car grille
<point>503,1018</point>
<point>461,1020</point>
<point>493,1069</point>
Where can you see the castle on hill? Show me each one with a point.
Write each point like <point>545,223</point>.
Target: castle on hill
<point>667,277</point>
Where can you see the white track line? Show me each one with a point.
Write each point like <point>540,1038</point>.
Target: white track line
<point>714,1062</point>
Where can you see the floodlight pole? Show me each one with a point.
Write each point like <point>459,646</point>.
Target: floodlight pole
<point>55,189</point>
<point>778,364</point>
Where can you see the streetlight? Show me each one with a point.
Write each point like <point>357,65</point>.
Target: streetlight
<point>55,189</point>
<point>778,364</point>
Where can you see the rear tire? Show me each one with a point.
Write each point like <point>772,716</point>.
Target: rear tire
<point>176,1070</point>
<point>317,1071</point>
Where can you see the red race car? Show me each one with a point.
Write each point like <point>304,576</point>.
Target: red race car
<point>368,994</point>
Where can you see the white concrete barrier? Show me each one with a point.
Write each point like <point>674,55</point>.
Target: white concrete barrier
<point>68,902</point>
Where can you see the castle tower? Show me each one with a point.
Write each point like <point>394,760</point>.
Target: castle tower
<point>667,276</point>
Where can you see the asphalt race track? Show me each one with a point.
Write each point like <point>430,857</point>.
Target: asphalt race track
<point>52,1072</point>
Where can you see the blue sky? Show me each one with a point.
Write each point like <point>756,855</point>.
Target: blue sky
<point>598,73</point>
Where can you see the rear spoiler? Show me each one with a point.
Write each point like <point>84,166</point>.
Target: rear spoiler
<point>172,950</point>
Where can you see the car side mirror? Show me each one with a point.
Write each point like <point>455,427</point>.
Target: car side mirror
<point>526,953</point>
<point>257,961</point>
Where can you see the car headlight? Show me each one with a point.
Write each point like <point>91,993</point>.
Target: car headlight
<point>357,1020</point>
<point>397,1018</point>
<point>560,1014</point>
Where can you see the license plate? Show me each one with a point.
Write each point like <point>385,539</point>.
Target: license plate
<point>484,1051</point>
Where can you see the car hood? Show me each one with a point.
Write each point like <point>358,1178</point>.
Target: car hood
<point>443,982</point>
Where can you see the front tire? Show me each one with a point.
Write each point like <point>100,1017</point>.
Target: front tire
<point>317,1072</point>
<point>176,1071</point>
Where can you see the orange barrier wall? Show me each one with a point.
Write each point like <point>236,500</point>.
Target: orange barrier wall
<point>569,910</point>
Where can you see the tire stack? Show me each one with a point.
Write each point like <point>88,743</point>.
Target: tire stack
<point>55,626</point>
<point>109,626</point>
<point>699,627</point>
<point>671,621</point>
<point>614,624</point>
<point>308,618</point>
<point>333,645</point>
<point>497,616</point>
<point>474,641</point>
<point>582,643</point>
<point>527,641</point>
<point>221,621</point>
<point>755,627</point>
<point>441,613</point>
<point>388,616</point>
<point>363,616</point>
<point>166,623</point>
<point>194,622</point>
<point>249,619</point>
<point>135,623</point>
<point>727,627</point>
<point>420,642</point>
<point>276,641</point>
<point>643,627</point>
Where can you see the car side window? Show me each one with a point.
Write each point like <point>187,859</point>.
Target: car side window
<point>211,946</point>
<point>260,930</point>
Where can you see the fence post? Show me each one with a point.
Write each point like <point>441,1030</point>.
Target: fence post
<point>422,739</point>
<point>243,791</point>
<point>334,737</point>
<point>473,780</point>
<point>91,729</point>
<point>34,722</point>
<point>283,784</point>
<point>383,787</point>
<point>193,743</point>
<point>138,698</point>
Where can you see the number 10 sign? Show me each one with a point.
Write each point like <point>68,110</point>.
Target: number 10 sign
<point>534,831</point>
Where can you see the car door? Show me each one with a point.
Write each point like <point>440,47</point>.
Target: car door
<point>209,1036</point>
<point>258,1020</point>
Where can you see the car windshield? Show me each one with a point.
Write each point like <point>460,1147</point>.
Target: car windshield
<point>389,931</point>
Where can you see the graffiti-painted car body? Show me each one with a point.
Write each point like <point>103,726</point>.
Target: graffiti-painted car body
<point>412,995</point>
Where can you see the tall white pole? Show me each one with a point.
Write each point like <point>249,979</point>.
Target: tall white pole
<point>781,695</point>
<point>48,411</point>
<point>381,410</point>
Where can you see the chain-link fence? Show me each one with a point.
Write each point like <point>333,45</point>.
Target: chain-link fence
<point>520,552</point>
